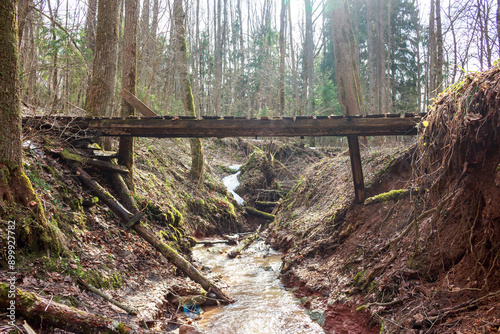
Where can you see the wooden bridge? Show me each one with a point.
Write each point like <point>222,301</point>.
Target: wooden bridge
<point>220,127</point>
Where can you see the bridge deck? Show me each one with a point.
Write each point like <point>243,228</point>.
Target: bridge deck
<point>183,126</point>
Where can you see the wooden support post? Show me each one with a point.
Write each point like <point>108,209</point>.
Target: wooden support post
<point>357,169</point>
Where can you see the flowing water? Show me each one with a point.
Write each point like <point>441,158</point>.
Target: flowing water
<point>263,305</point>
<point>231,182</point>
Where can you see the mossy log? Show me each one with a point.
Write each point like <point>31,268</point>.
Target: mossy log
<point>260,214</point>
<point>265,205</point>
<point>390,195</point>
<point>168,252</point>
<point>243,245</point>
<point>38,309</point>
<point>94,162</point>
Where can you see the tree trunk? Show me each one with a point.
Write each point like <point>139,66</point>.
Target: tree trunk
<point>129,79</point>
<point>53,87</point>
<point>102,88</point>
<point>439,47</point>
<point>432,52</point>
<point>308,61</point>
<point>348,85</point>
<point>372,86</point>
<point>91,22</point>
<point>344,47</point>
<point>498,24</point>
<point>15,187</point>
<point>187,93</point>
<point>282,58</point>
<point>49,312</point>
<point>294,67</point>
<point>380,56</point>
<point>218,57</point>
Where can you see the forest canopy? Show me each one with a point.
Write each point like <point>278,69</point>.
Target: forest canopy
<point>267,58</point>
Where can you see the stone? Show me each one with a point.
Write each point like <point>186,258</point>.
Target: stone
<point>188,329</point>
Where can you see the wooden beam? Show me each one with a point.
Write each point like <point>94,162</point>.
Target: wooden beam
<point>137,104</point>
<point>357,169</point>
<point>220,128</point>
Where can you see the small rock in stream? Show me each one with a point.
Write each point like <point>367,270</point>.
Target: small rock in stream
<point>188,329</point>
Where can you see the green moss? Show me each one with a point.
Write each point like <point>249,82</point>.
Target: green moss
<point>358,277</point>
<point>100,281</point>
<point>387,196</point>
<point>66,154</point>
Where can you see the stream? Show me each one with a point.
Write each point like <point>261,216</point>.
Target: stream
<point>263,305</point>
<point>231,182</point>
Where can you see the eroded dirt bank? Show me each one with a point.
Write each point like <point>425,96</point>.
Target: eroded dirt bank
<point>423,262</point>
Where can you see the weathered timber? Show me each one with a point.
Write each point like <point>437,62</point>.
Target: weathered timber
<point>259,214</point>
<point>172,127</point>
<point>38,309</point>
<point>208,243</point>
<point>220,128</point>
<point>105,296</point>
<point>137,104</point>
<point>357,169</point>
<point>170,254</point>
<point>265,205</point>
<point>100,164</point>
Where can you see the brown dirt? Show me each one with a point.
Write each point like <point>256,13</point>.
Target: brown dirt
<point>343,319</point>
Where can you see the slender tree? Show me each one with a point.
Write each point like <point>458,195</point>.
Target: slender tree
<point>282,42</point>
<point>101,96</point>
<point>197,160</point>
<point>308,60</point>
<point>129,79</point>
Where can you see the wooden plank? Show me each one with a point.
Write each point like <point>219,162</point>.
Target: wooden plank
<point>137,104</point>
<point>357,169</point>
<point>220,128</point>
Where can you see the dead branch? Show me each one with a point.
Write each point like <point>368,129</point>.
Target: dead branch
<point>106,297</point>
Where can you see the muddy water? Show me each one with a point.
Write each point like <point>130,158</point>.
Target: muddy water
<point>263,305</point>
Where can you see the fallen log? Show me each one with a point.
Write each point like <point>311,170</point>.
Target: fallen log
<point>38,309</point>
<point>208,243</point>
<point>243,245</point>
<point>259,214</point>
<point>130,221</point>
<point>106,297</point>
<point>265,205</point>
<point>94,162</point>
